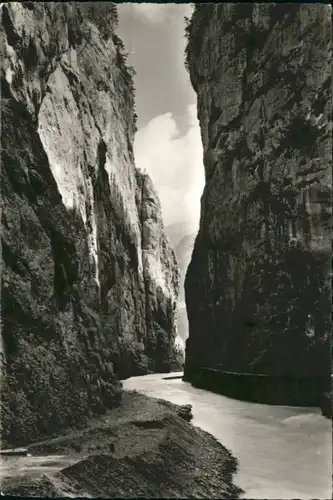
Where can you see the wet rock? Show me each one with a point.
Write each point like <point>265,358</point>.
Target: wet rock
<point>326,406</point>
<point>185,412</point>
<point>22,452</point>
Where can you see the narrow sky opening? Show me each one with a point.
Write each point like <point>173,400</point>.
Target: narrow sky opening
<point>168,142</point>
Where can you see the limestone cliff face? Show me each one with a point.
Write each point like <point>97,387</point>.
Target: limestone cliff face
<point>161,275</point>
<point>258,285</point>
<point>89,283</point>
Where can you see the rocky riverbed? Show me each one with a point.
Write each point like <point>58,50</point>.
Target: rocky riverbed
<point>145,447</point>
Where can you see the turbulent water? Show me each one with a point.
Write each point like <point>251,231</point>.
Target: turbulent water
<point>283,452</point>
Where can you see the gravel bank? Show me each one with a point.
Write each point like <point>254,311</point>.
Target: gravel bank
<point>142,448</point>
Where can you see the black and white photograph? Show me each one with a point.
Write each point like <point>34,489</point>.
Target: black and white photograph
<point>166,250</point>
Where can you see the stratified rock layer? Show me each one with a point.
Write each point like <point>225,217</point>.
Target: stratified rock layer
<point>258,285</point>
<point>89,283</point>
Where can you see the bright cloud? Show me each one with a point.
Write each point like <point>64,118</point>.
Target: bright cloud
<point>152,12</point>
<point>174,162</point>
<point>156,12</point>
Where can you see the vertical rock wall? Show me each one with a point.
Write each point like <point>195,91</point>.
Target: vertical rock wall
<point>89,283</point>
<point>258,287</point>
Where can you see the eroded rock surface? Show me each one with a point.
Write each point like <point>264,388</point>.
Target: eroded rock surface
<point>258,285</point>
<point>89,283</point>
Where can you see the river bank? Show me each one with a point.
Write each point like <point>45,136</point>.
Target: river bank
<point>282,451</point>
<point>262,388</point>
<point>142,448</point>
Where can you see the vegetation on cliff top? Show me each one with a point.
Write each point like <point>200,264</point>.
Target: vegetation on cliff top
<point>104,15</point>
<point>192,29</point>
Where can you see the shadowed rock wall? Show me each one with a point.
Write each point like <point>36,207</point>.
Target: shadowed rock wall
<point>258,290</point>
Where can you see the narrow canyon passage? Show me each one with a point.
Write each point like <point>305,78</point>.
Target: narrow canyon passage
<point>283,452</point>
<point>165,175</point>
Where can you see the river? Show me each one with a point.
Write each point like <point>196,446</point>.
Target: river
<point>283,452</point>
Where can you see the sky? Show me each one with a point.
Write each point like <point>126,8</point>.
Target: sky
<point>168,142</point>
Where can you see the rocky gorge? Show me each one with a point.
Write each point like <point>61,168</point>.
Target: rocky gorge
<point>258,287</point>
<point>89,280</point>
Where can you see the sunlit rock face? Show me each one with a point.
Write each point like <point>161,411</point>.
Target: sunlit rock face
<point>89,283</point>
<point>258,285</point>
<point>161,277</point>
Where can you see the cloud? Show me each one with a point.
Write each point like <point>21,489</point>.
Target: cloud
<point>151,12</point>
<point>157,13</point>
<point>174,162</point>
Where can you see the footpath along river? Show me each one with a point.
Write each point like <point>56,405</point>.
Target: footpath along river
<point>283,452</point>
